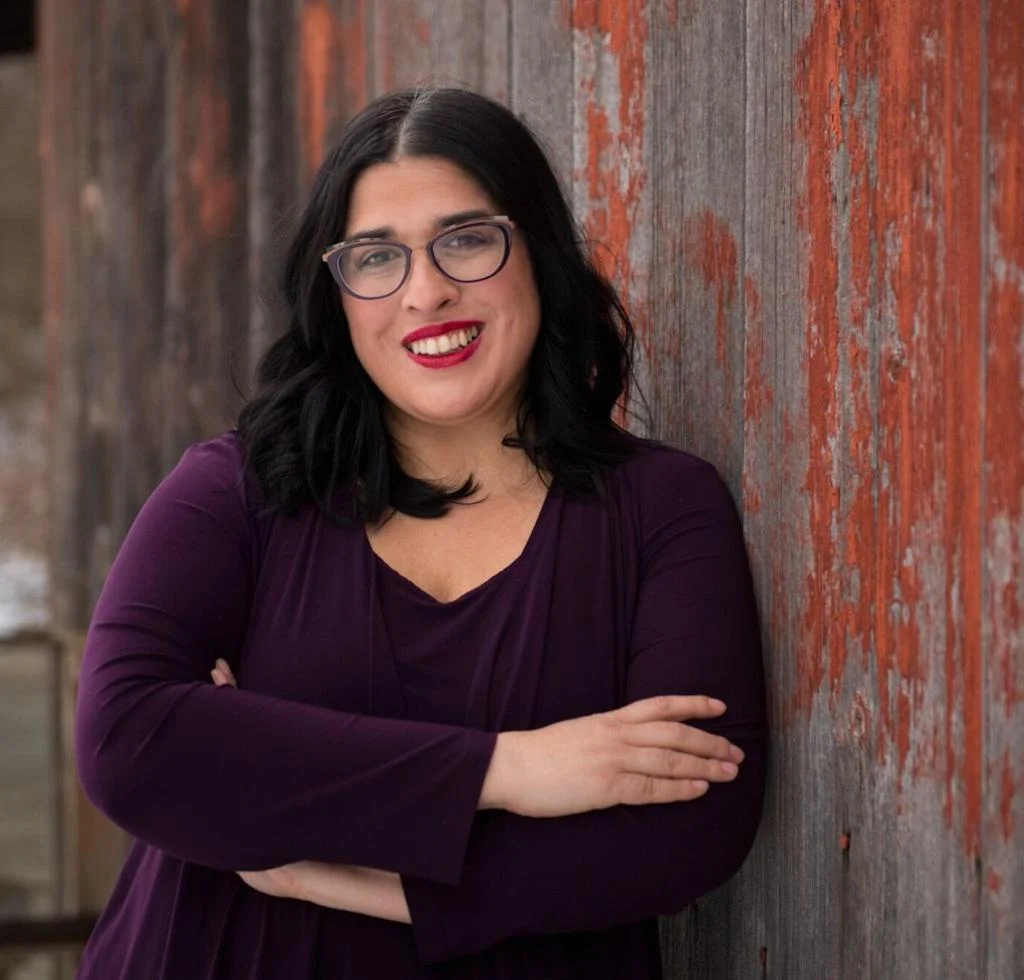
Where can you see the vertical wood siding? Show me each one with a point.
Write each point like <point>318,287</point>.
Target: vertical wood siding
<point>816,210</point>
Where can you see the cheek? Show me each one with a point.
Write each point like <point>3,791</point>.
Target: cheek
<point>364,326</point>
<point>520,294</point>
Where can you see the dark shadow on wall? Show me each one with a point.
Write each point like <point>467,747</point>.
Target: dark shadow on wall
<point>17,26</point>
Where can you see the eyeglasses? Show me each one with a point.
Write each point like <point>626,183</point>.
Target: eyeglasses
<point>374,269</point>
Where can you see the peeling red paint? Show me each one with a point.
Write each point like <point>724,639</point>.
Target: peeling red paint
<point>204,129</point>
<point>711,251</point>
<point>1004,385</point>
<point>892,217</point>
<point>758,393</point>
<point>860,721</point>
<point>350,31</point>
<point>316,64</point>
<point>614,175</point>
<point>209,169</point>
<point>1007,792</point>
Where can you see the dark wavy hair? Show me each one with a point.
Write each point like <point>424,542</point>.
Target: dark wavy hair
<point>314,429</point>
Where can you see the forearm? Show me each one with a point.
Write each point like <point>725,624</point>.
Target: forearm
<point>245,779</point>
<point>278,781</point>
<point>589,871</point>
<point>366,891</point>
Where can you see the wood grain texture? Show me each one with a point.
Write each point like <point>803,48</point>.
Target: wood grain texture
<point>541,84</point>
<point>1002,611</point>
<point>274,163</point>
<point>814,209</point>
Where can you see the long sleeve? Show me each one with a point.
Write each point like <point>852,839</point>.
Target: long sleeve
<point>233,779</point>
<point>695,632</point>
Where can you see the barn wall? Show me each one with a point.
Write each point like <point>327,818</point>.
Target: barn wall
<point>816,211</point>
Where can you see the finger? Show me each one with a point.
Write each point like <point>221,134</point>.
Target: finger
<point>226,672</point>
<point>682,738</point>
<point>636,790</point>
<point>666,764</point>
<point>670,707</point>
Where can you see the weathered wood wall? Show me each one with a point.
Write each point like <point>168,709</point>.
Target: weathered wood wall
<point>816,209</point>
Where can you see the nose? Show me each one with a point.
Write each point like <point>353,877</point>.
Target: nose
<point>427,288</point>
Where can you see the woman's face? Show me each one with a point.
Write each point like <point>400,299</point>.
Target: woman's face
<point>412,199</point>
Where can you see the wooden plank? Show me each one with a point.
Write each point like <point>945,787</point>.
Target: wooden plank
<point>611,151</point>
<point>695,339</point>
<point>207,292</point>
<point>442,42</point>
<point>352,51</point>
<point>335,73</point>
<point>541,85</point>
<point>274,159</point>
<point>126,197</point>
<point>400,35</point>
<point>469,44</point>
<point>868,573</point>
<point>1002,612</point>
<point>62,53</point>
<point>697,122</point>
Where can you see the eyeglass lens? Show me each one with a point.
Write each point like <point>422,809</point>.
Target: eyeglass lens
<point>465,254</point>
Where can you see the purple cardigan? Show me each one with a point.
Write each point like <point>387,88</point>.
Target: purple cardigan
<point>334,748</point>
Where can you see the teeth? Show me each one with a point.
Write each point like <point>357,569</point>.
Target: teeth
<point>435,346</point>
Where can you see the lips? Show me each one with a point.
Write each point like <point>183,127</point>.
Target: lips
<point>438,330</point>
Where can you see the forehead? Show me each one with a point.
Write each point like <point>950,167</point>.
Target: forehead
<point>411,195</point>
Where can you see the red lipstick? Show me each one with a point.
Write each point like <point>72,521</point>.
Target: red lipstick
<point>453,357</point>
<point>437,329</point>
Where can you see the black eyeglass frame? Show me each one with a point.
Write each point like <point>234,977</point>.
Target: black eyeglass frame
<point>332,257</point>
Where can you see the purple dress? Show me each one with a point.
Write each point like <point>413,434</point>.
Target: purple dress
<point>366,718</point>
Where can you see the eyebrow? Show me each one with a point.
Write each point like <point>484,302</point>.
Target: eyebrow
<point>460,217</point>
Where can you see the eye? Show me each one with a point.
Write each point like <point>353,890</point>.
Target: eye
<point>470,239</point>
<point>465,239</point>
<point>373,258</point>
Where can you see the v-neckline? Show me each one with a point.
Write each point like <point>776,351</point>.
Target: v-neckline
<point>424,596</point>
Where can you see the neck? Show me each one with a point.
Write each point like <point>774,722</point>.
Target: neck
<point>449,454</point>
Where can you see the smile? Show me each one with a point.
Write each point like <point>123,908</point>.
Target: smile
<point>446,342</point>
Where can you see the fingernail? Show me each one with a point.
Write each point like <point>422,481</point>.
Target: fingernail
<point>729,768</point>
<point>699,784</point>
<point>716,704</point>
<point>737,753</point>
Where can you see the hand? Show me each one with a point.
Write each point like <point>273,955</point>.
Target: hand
<point>635,755</point>
<point>282,882</point>
<point>222,675</point>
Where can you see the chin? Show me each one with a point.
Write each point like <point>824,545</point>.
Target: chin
<point>435,415</point>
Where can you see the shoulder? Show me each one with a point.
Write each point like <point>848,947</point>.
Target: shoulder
<point>655,476</point>
<point>213,473</point>
<point>663,494</point>
<point>219,461</point>
<point>676,506</point>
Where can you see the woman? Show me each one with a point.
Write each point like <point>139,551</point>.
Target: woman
<point>481,635</point>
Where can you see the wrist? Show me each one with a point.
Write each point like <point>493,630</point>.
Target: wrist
<point>499,787</point>
<point>296,884</point>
